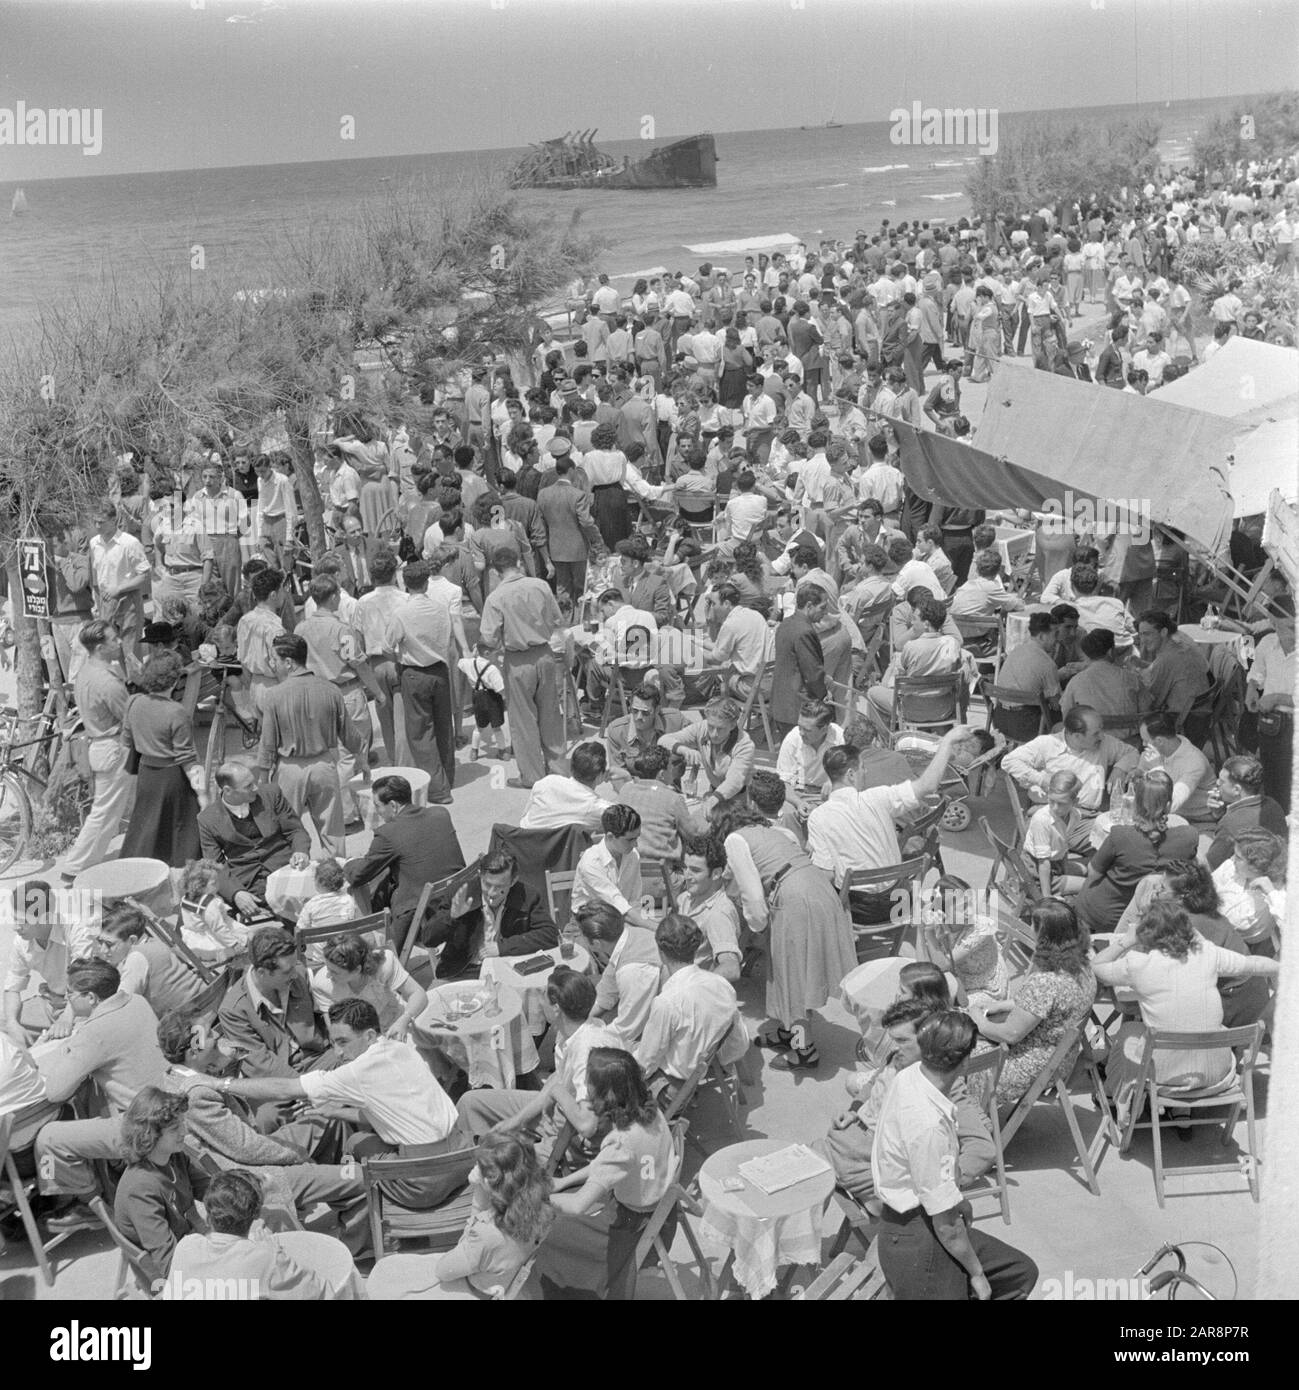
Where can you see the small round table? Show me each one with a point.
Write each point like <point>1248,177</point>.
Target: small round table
<point>287,889</point>
<point>532,988</point>
<point>763,1231</point>
<point>1207,636</point>
<point>328,1259</point>
<point>491,1050</point>
<point>146,880</point>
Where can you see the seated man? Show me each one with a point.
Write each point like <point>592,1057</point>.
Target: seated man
<point>556,801</point>
<point>640,728</point>
<point>665,817</point>
<point>250,830</point>
<point>268,1011</point>
<point>1029,667</point>
<point>849,1141</point>
<point>695,1012</point>
<point>646,589</point>
<point>512,920</point>
<point>291,1163</point>
<point>931,652</point>
<point>984,595</point>
<point>1193,777</point>
<point>798,764</point>
<point>147,967</point>
<point>1176,674</point>
<point>705,900</point>
<point>232,1257</point>
<point>1113,691</point>
<point>719,755</point>
<point>570,998</point>
<point>1100,610</point>
<point>628,637</point>
<point>115,1046</point>
<point>45,943</point>
<point>744,643</point>
<point>1240,793</point>
<point>385,1087</point>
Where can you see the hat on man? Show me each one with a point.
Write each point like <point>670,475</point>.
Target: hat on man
<point>559,446</point>
<point>159,634</point>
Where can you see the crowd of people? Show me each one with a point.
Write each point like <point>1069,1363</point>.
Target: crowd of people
<point>696,520</point>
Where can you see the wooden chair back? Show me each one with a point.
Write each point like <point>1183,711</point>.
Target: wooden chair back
<point>317,936</point>
<point>134,1277</point>
<point>1025,885</point>
<point>907,688</point>
<point>392,1223</point>
<point>1016,724</point>
<point>559,894</point>
<point>982,1072</point>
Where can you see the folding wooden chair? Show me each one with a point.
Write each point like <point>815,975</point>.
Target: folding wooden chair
<point>675,1201</point>
<point>665,892</point>
<point>172,940</point>
<point>1022,885</point>
<point>622,678</point>
<point>926,827</point>
<point>1052,1082</point>
<point>700,515</point>
<point>559,892</point>
<point>1240,1095</point>
<point>134,1279</point>
<point>879,941</point>
<point>845,1279</point>
<point>975,635</point>
<point>391,1223</point>
<point>757,699</point>
<point>909,688</point>
<point>713,1075</point>
<point>21,1189</point>
<point>430,891</point>
<point>981,1073</point>
<point>378,922</point>
<point>1018,715</point>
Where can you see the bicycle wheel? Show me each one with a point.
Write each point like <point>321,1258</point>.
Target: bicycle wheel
<point>15,821</point>
<point>216,750</point>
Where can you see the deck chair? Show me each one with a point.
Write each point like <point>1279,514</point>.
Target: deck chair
<point>758,698</point>
<point>982,1072</point>
<point>878,941</point>
<point>845,1279</point>
<point>1239,1095</point>
<point>675,1202</point>
<point>1020,885</point>
<point>908,689</point>
<point>559,893</point>
<point>134,1279</point>
<point>172,940</point>
<point>1052,1083</point>
<point>391,1223</point>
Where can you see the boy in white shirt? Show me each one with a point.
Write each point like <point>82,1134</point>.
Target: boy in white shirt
<point>487,687</point>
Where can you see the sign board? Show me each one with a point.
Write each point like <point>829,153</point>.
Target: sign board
<point>35,577</point>
<point>1281,536</point>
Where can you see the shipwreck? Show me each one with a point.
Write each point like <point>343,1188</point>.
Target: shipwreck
<point>574,161</point>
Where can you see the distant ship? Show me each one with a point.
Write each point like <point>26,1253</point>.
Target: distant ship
<point>19,204</point>
<point>825,125</point>
<point>574,161</point>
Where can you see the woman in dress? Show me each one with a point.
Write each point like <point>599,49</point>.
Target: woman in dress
<point>811,945</point>
<point>1073,278</point>
<point>985,334</point>
<point>164,822</point>
<point>603,1207</point>
<point>735,364</point>
<point>353,969</point>
<point>1130,852</point>
<point>1055,995</point>
<point>1174,973</point>
<point>511,1214</point>
<point>608,470</point>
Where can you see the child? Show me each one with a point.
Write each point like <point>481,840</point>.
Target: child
<point>1050,830</point>
<point>329,906</point>
<point>972,952</point>
<point>206,925</point>
<point>488,693</point>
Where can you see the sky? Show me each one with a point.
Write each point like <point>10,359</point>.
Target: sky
<point>184,84</point>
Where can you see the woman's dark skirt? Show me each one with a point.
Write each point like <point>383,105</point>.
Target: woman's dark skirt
<point>164,824</point>
<point>593,1256</point>
<point>611,513</point>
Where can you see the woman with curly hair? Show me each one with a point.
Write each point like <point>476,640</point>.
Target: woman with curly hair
<point>352,969</point>
<point>159,739</point>
<point>1130,852</point>
<point>1174,973</point>
<point>154,1206</point>
<point>811,945</point>
<point>611,478</point>
<point>590,1252</point>
<point>1055,995</point>
<point>511,1214</point>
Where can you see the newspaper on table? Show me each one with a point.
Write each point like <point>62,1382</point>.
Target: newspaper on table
<point>775,1172</point>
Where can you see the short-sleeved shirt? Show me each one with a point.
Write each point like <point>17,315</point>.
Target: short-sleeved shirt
<point>1029,668</point>
<point>391,1085</point>
<point>1045,839</point>
<point>382,989</point>
<point>914,1158</point>
<point>635,1165</point>
<point>719,921</point>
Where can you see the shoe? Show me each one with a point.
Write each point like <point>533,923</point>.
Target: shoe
<point>440,800</point>
<point>77,1217</point>
<point>797,1061</point>
<point>781,1037</point>
<point>473,755</point>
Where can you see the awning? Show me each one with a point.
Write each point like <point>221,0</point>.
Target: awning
<point>1047,442</point>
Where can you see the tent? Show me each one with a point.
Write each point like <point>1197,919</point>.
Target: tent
<point>1050,443</point>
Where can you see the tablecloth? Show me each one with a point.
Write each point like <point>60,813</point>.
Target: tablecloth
<point>328,1259</point>
<point>763,1232</point>
<point>532,988</point>
<point>287,889</point>
<point>491,1050</point>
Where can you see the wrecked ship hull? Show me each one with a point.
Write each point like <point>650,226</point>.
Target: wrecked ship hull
<point>570,164</point>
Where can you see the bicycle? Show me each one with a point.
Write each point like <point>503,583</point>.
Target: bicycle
<point>1174,1279</point>
<point>224,709</point>
<point>23,767</point>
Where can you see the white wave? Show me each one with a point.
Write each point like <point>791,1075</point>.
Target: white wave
<point>641,274</point>
<point>741,245</point>
<point>941,197</point>
<point>821,186</point>
<point>947,164</point>
<point>889,203</point>
<point>883,168</point>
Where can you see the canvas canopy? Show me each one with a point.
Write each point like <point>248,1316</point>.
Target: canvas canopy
<point>1047,442</point>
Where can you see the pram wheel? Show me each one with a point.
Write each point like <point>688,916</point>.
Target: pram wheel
<point>957,816</point>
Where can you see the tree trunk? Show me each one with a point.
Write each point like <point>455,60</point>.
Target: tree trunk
<point>298,425</point>
<point>28,665</point>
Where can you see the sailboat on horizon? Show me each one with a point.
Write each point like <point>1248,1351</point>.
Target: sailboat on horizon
<point>19,204</point>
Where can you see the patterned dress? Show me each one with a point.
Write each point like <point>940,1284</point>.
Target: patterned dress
<point>1059,1001</point>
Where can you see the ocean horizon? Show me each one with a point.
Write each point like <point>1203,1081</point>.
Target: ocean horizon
<point>805,183</point>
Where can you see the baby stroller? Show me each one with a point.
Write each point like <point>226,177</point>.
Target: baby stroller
<point>959,783</point>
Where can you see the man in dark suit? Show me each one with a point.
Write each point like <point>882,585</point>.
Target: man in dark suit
<point>1240,786</point>
<point>571,531</point>
<point>415,844</point>
<point>512,921</point>
<point>799,660</point>
<point>250,830</point>
<point>358,554</point>
<point>642,589</point>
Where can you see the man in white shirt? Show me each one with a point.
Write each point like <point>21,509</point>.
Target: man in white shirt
<point>744,642</point>
<point>854,829</point>
<point>1193,777</point>
<point>628,637</point>
<point>44,942</point>
<point>880,480</point>
<point>606,299</point>
<point>747,508</point>
<point>694,1014</point>
<point>610,870</point>
<point>557,801</point>
<point>913,572</point>
<point>928,1252</point>
<point>679,309</point>
<point>759,413</point>
<point>1152,359</point>
<point>119,575</point>
<point>798,764</point>
<point>385,1084</point>
<point>1084,749</point>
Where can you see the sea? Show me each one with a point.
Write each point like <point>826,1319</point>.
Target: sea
<point>807,184</point>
